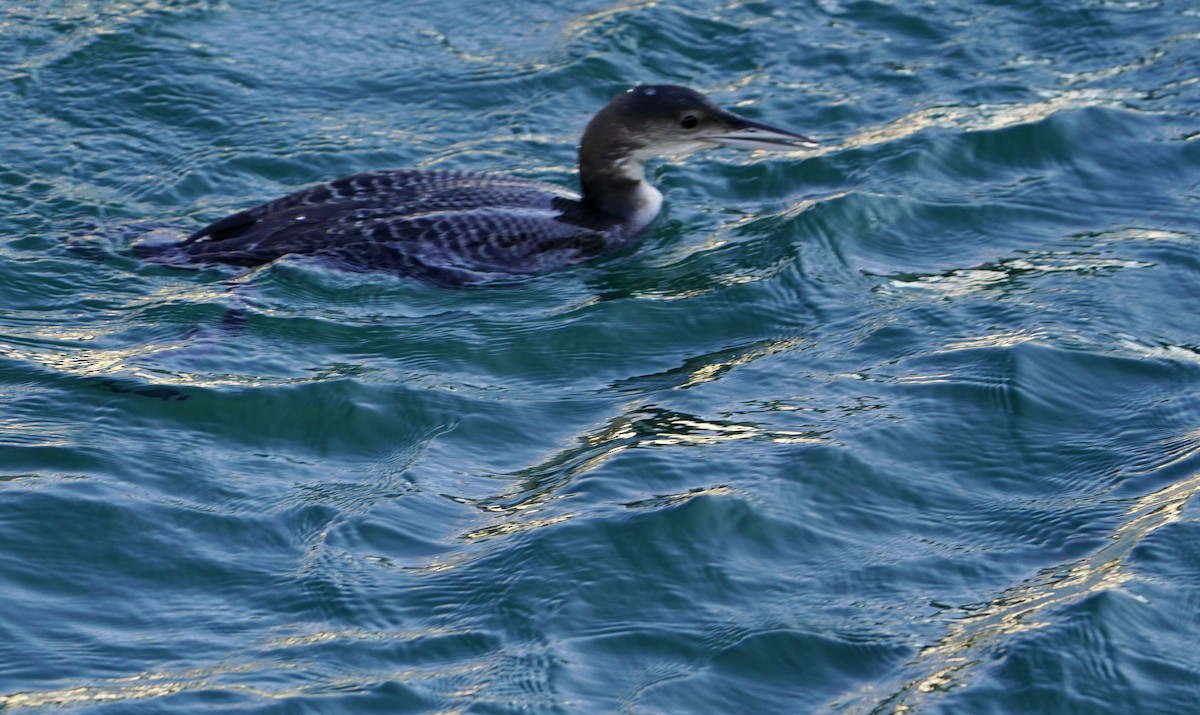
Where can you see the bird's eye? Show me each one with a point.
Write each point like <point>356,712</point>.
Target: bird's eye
<point>689,121</point>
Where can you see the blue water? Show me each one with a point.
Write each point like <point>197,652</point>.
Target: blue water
<point>906,424</point>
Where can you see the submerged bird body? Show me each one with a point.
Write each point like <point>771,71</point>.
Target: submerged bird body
<point>449,227</point>
<point>456,227</point>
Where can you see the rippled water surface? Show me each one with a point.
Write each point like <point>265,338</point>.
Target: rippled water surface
<point>909,423</point>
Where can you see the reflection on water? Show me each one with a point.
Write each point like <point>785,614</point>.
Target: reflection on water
<point>982,117</point>
<point>116,691</point>
<point>1012,272</point>
<point>644,427</point>
<point>974,640</point>
<point>853,430</point>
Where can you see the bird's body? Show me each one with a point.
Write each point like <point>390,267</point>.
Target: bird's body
<point>448,227</point>
<point>455,227</point>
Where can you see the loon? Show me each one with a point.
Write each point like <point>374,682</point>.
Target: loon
<point>459,227</point>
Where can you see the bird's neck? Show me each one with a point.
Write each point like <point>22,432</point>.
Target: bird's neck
<point>613,180</point>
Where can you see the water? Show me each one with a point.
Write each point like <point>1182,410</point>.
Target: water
<point>906,424</point>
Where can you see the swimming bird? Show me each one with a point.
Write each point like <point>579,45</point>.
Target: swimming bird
<point>459,227</point>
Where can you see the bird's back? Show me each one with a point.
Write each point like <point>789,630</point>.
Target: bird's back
<point>445,226</point>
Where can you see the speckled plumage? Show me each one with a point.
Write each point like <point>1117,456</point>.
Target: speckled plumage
<point>455,227</point>
<point>444,226</point>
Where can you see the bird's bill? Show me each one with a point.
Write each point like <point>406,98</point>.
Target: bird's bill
<point>745,134</point>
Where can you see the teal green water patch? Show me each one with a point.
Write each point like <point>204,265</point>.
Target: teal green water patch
<point>905,422</point>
